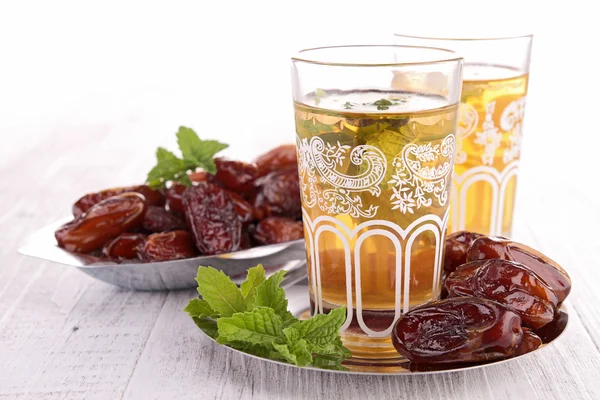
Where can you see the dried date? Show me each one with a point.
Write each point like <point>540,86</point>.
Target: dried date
<point>457,245</point>
<point>125,246</point>
<point>157,219</point>
<point>278,230</point>
<point>464,329</point>
<point>553,330</point>
<point>235,175</point>
<point>490,247</point>
<point>166,246</point>
<point>530,342</point>
<point>245,241</point>
<point>243,208</point>
<point>152,197</point>
<point>203,176</point>
<point>278,195</point>
<point>211,217</point>
<point>104,221</point>
<point>174,197</point>
<point>281,157</point>
<point>508,283</point>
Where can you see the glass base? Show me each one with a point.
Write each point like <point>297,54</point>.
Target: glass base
<point>369,348</point>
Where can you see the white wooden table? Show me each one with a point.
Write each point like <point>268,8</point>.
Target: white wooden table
<point>64,335</point>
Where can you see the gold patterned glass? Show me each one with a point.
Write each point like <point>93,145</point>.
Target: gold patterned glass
<point>375,160</point>
<point>488,142</point>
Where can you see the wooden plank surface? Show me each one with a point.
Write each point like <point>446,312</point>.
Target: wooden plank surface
<point>64,335</point>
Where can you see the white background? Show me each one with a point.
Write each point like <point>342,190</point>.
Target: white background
<point>223,68</point>
<point>105,58</point>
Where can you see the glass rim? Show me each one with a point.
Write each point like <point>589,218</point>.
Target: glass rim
<point>298,57</point>
<point>466,39</point>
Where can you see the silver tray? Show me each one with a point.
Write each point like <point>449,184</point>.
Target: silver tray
<point>168,275</point>
<point>298,304</point>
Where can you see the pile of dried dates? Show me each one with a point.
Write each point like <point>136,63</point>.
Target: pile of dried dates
<point>499,296</point>
<point>241,206</point>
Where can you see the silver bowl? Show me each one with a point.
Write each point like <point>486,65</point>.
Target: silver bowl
<point>168,275</point>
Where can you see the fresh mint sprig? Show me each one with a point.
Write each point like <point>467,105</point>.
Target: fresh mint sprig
<point>196,153</point>
<point>254,318</point>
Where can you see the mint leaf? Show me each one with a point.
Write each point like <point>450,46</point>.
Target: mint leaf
<point>295,350</point>
<point>321,329</point>
<point>270,294</point>
<point>319,93</point>
<point>204,316</point>
<point>291,334</point>
<point>255,319</point>
<point>208,325</point>
<point>259,326</point>
<point>383,104</point>
<point>256,349</point>
<point>327,362</point>
<point>335,348</point>
<point>168,167</point>
<point>197,152</point>
<point>332,348</point>
<point>314,127</point>
<point>256,276</point>
<point>297,353</point>
<point>200,308</point>
<point>221,294</point>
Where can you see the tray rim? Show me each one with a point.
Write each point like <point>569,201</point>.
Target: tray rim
<point>565,307</point>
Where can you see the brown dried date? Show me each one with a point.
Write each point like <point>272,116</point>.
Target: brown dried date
<point>530,342</point>
<point>243,209</point>
<point>235,175</point>
<point>104,221</point>
<point>278,230</point>
<point>157,219</point>
<point>203,176</point>
<point>553,330</point>
<point>278,195</point>
<point>464,329</point>
<point>508,283</point>
<point>166,246</point>
<point>245,241</point>
<point>125,246</point>
<point>457,245</point>
<point>174,197</point>
<point>489,247</point>
<point>152,197</point>
<point>211,217</point>
<point>283,156</point>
